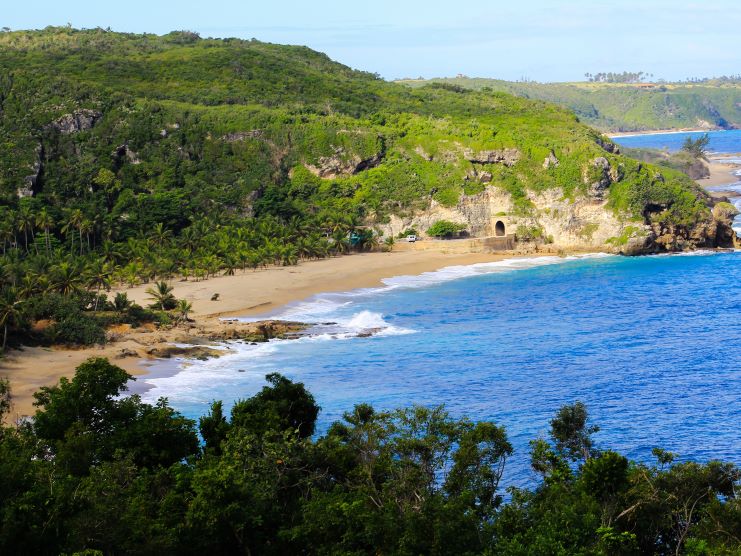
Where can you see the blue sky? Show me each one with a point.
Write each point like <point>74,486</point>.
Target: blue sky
<point>545,40</point>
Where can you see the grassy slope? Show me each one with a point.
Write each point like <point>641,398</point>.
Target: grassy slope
<point>617,107</point>
<point>303,107</point>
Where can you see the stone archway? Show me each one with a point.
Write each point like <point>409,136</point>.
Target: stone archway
<point>499,229</point>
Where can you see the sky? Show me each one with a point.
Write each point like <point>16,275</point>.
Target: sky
<point>542,40</point>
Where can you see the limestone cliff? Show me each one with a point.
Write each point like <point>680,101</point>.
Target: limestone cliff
<point>583,222</point>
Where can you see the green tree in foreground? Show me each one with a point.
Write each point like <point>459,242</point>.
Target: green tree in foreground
<point>98,470</point>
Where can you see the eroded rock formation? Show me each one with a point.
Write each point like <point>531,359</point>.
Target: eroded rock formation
<point>79,120</point>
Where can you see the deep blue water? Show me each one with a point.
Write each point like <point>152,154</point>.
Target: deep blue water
<point>651,344</point>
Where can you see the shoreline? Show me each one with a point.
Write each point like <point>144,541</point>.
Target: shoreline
<point>249,294</point>
<point>256,293</point>
<point>721,172</point>
<point>662,132</point>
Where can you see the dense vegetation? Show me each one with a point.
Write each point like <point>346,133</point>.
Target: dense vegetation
<point>623,106</point>
<point>102,473</point>
<point>132,158</point>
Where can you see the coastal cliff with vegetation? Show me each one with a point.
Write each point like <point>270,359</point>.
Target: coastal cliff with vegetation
<point>132,158</point>
<point>624,106</point>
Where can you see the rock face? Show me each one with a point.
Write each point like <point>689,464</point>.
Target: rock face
<point>79,120</point>
<point>124,153</point>
<point>508,157</point>
<point>584,223</point>
<point>31,183</point>
<point>342,164</point>
<point>597,176</point>
<point>608,145</point>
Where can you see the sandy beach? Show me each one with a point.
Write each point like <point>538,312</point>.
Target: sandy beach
<point>244,294</point>
<point>660,132</point>
<point>250,293</point>
<point>721,173</point>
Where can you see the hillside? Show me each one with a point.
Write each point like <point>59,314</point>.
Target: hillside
<point>625,107</point>
<point>133,158</point>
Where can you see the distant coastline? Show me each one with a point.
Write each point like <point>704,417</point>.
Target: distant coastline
<point>663,132</point>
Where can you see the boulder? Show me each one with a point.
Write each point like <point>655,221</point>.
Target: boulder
<point>551,161</point>
<point>123,153</point>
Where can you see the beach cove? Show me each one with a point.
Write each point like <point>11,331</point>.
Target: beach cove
<point>243,294</point>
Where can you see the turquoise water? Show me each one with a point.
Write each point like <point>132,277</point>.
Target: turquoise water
<point>651,344</point>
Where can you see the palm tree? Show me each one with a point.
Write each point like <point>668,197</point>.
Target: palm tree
<point>45,222</point>
<point>130,273</point>
<point>160,235</point>
<point>121,302</point>
<point>26,223</point>
<point>74,222</point>
<point>161,293</point>
<point>99,276</point>
<point>184,308</point>
<point>66,278</point>
<point>86,227</point>
<point>189,239</point>
<point>6,235</point>
<point>110,251</point>
<point>10,311</point>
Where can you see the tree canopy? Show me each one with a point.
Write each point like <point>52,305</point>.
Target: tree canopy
<point>98,471</point>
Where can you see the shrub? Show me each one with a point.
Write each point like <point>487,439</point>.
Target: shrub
<point>76,329</point>
<point>530,233</point>
<point>445,228</point>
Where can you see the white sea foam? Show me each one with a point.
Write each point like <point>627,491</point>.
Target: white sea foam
<point>466,271</point>
<point>197,377</point>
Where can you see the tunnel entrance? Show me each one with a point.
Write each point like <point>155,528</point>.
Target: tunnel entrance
<point>499,228</point>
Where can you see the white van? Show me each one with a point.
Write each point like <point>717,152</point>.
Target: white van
<point>411,239</point>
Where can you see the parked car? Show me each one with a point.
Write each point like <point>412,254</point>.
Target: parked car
<point>412,238</point>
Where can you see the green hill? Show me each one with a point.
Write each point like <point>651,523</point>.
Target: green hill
<point>138,157</point>
<point>625,107</point>
<point>224,122</point>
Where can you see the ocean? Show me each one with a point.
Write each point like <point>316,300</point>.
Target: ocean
<point>651,344</point>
